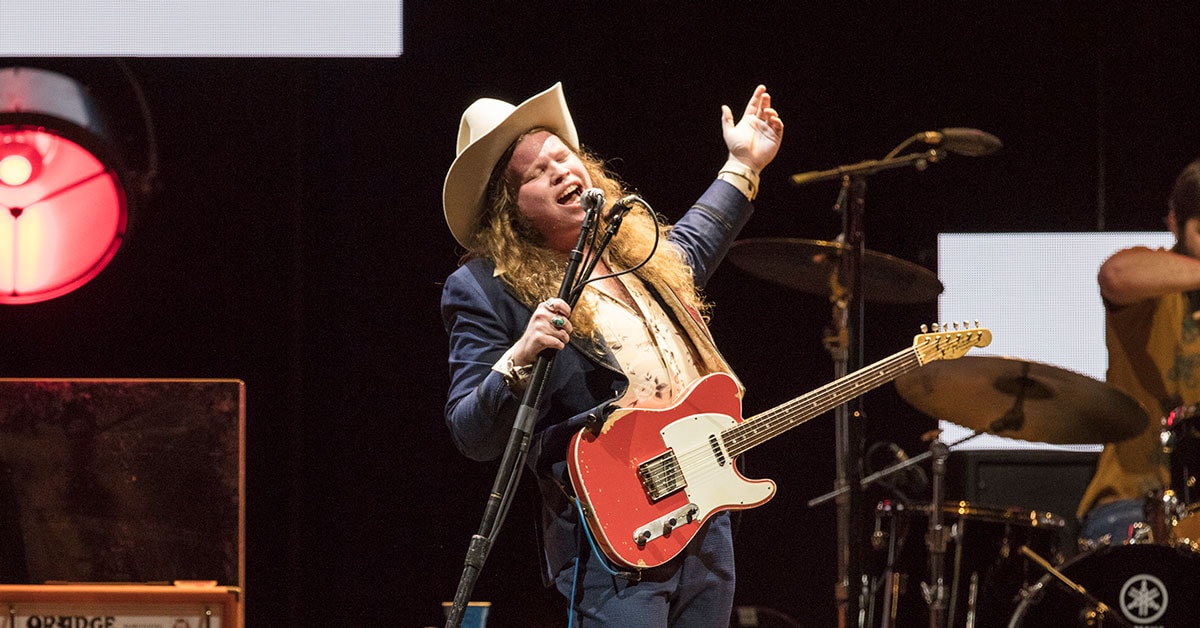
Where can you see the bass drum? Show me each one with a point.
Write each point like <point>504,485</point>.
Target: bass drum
<point>1146,585</point>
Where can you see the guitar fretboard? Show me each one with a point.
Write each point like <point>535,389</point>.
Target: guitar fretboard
<point>760,428</point>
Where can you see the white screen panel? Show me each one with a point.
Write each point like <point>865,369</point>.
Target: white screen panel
<point>1037,292</point>
<point>201,28</point>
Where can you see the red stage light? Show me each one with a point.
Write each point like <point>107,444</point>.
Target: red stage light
<point>63,208</point>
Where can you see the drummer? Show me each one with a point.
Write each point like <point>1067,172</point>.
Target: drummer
<point>1152,303</point>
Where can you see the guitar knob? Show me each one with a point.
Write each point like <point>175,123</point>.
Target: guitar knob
<point>641,538</point>
<point>668,526</point>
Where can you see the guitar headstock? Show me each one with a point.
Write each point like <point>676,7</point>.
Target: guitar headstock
<point>948,342</point>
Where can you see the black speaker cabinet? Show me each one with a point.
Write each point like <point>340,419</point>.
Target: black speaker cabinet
<point>1041,480</point>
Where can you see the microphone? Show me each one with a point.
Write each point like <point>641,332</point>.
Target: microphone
<point>899,454</point>
<point>915,475</point>
<point>592,199</point>
<point>963,141</point>
<point>620,208</point>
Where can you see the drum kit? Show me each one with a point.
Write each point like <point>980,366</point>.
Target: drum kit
<point>1010,566</point>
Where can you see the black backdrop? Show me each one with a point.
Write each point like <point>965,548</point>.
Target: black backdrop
<point>295,240</point>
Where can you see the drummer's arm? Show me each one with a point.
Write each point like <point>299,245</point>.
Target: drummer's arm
<point>1141,273</point>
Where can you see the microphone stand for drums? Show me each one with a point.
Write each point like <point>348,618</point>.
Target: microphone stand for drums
<point>934,591</point>
<point>844,341</point>
<point>845,346</point>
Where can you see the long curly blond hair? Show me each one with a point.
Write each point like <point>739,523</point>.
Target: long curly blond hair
<point>535,272</point>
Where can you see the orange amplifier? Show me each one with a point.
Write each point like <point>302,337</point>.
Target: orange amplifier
<point>121,503</point>
<point>180,605</point>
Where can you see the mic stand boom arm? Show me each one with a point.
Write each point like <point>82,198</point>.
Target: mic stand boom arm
<point>863,168</point>
<point>513,460</point>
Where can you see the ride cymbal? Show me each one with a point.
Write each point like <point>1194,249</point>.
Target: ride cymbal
<point>1022,399</point>
<point>812,266</point>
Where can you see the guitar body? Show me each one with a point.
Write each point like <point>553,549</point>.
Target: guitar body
<point>652,477</point>
<point>629,524</point>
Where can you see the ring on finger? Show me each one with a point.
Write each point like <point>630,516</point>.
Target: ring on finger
<point>558,321</point>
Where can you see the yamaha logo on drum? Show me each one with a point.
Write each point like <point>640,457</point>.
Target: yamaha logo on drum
<point>1143,599</point>
<point>1139,585</point>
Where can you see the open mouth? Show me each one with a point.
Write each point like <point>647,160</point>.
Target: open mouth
<point>571,195</point>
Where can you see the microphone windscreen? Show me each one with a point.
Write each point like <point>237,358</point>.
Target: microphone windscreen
<point>970,142</point>
<point>592,199</point>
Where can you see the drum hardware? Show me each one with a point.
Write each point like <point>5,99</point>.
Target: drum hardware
<point>1161,513</point>
<point>849,276</point>
<point>893,538</point>
<point>972,600</point>
<point>935,590</point>
<point>983,575</point>
<point>1040,403</point>
<point>1094,611</point>
<point>1142,585</point>
<point>944,593</point>
<point>1180,436</point>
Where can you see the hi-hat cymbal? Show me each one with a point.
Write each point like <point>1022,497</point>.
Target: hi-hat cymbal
<point>811,266</point>
<point>1022,399</point>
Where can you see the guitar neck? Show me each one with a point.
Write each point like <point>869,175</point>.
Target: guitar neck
<point>762,427</point>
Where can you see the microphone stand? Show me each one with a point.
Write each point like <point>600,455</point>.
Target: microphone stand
<point>513,461</point>
<point>847,353</point>
<point>845,346</point>
<point>894,469</point>
<point>920,161</point>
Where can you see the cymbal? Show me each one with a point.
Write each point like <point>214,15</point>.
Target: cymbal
<point>811,265</point>
<point>1022,399</point>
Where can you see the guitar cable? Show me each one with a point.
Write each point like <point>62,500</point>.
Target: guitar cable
<point>587,534</point>
<point>575,294</point>
<point>632,576</point>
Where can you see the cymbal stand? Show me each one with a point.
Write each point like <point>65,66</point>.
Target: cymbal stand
<point>934,591</point>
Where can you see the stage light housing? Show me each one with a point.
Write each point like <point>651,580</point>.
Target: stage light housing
<point>63,205</point>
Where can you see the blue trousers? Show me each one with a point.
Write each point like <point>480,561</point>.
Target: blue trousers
<point>1115,519</point>
<point>693,590</point>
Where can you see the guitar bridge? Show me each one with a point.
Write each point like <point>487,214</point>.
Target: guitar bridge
<point>660,476</point>
<point>663,525</point>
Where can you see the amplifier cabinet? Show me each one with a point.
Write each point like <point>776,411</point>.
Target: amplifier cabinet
<point>120,606</point>
<point>1052,481</point>
<point>122,481</point>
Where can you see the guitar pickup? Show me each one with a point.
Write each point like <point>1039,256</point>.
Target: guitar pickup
<point>663,525</point>
<point>660,476</point>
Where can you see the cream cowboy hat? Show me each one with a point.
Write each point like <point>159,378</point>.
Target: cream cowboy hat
<point>487,129</point>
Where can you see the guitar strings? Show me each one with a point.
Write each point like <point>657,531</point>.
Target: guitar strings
<point>758,429</point>
<point>767,425</point>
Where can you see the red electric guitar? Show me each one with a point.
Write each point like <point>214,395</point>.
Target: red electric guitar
<point>650,478</point>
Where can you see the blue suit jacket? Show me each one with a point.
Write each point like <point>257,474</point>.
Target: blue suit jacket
<point>484,319</point>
